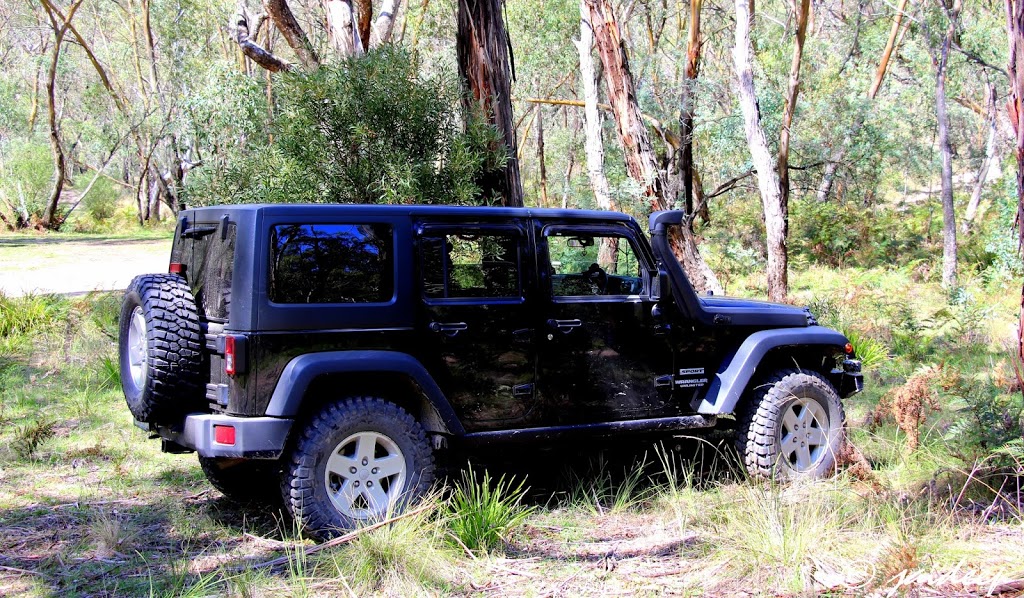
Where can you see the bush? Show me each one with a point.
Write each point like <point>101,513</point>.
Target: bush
<point>365,130</point>
<point>25,178</point>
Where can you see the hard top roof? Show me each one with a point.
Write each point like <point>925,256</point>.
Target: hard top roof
<point>319,210</point>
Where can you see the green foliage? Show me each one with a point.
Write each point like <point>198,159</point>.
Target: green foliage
<point>101,202</point>
<point>362,130</point>
<point>871,352</point>
<point>26,169</point>
<point>29,437</point>
<point>21,315</point>
<point>484,513</point>
<point>988,418</point>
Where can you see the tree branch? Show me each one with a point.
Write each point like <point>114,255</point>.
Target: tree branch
<point>255,52</point>
<point>292,32</point>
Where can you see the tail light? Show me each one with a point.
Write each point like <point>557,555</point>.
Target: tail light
<point>233,350</point>
<point>229,356</point>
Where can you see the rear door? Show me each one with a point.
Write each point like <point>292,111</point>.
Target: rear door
<point>602,357</point>
<point>476,320</point>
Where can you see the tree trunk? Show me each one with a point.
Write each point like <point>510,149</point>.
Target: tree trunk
<point>836,159</point>
<point>637,149</point>
<point>801,8</point>
<point>890,45</point>
<point>688,105</point>
<point>986,162</point>
<point>775,217</point>
<point>941,63</point>
<point>592,117</point>
<point>293,33</point>
<point>484,54</point>
<point>341,31</point>
<point>540,158</point>
<point>385,23</point>
<point>60,26</point>
<point>1015,108</point>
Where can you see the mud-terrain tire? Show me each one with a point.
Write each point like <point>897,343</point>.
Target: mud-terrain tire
<point>357,460</point>
<point>160,348</point>
<point>245,481</point>
<point>793,427</point>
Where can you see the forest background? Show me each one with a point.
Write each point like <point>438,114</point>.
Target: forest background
<point>859,156</point>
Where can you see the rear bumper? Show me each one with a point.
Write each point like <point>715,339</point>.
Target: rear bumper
<point>254,437</point>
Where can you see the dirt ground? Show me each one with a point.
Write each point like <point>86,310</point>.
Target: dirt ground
<point>73,265</point>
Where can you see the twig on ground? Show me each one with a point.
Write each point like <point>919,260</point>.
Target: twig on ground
<point>308,550</point>
<point>25,571</point>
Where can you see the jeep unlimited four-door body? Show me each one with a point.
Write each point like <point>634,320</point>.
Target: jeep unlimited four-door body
<point>335,347</point>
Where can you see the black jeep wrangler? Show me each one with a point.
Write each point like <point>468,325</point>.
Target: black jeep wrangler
<point>329,351</point>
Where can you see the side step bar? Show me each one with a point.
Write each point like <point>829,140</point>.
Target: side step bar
<point>654,426</point>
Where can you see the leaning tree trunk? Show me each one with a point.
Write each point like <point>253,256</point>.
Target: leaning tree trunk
<point>802,7</point>
<point>638,152</point>
<point>484,55</point>
<point>986,162</point>
<point>775,220</point>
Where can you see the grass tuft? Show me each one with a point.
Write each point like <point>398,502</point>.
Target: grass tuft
<point>483,514</point>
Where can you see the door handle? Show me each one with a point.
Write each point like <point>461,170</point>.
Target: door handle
<point>448,328</point>
<point>564,326</point>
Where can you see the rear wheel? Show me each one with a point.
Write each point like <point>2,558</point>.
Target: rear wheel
<point>793,427</point>
<point>357,460</point>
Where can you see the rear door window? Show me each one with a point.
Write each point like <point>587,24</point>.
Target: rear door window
<point>331,263</point>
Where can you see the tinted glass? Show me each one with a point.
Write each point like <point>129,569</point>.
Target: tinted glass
<point>331,263</point>
<point>593,265</point>
<point>471,265</point>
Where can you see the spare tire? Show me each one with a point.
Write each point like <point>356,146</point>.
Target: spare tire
<point>160,348</point>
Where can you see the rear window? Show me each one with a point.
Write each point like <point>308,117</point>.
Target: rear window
<point>208,253</point>
<point>331,263</point>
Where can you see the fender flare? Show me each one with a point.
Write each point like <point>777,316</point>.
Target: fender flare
<point>303,370</point>
<point>737,369</point>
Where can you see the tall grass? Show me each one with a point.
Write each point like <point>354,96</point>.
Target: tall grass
<point>483,514</point>
<point>20,315</point>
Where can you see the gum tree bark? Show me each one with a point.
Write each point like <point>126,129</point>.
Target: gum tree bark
<point>800,9</point>
<point>1015,107</point>
<point>484,56</point>
<point>638,152</point>
<point>688,104</point>
<point>594,144</point>
<point>890,45</point>
<point>986,162</point>
<point>940,60</point>
<point>775,214</point>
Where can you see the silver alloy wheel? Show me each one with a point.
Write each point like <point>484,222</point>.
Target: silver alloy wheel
<point>365,475</point>
<point>137,347</point>
<point>803,435</point>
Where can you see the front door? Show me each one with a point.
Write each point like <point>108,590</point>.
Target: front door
<point>475,314</point>
<point>602,356</point>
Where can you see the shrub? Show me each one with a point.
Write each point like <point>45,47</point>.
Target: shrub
<point>366,130</point>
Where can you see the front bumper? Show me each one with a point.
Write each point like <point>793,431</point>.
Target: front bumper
<point>848,380</point>
<point>254,437</point>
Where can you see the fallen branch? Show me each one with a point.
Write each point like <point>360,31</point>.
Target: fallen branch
<point>25,571</point>
<point>308,550</point>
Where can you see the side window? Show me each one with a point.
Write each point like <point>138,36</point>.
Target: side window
<point>484,264</point>
<point>586,264</point>
<point>331,263</point>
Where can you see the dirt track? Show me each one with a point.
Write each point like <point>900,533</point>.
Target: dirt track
<point>71,265</point>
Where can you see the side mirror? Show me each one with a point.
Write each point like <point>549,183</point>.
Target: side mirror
<point>661,288</point>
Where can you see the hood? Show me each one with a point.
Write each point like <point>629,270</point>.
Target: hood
<point>751,312</point>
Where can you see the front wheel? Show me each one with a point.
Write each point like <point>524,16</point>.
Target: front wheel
<point>794,427</point>
<point>357,460</point>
